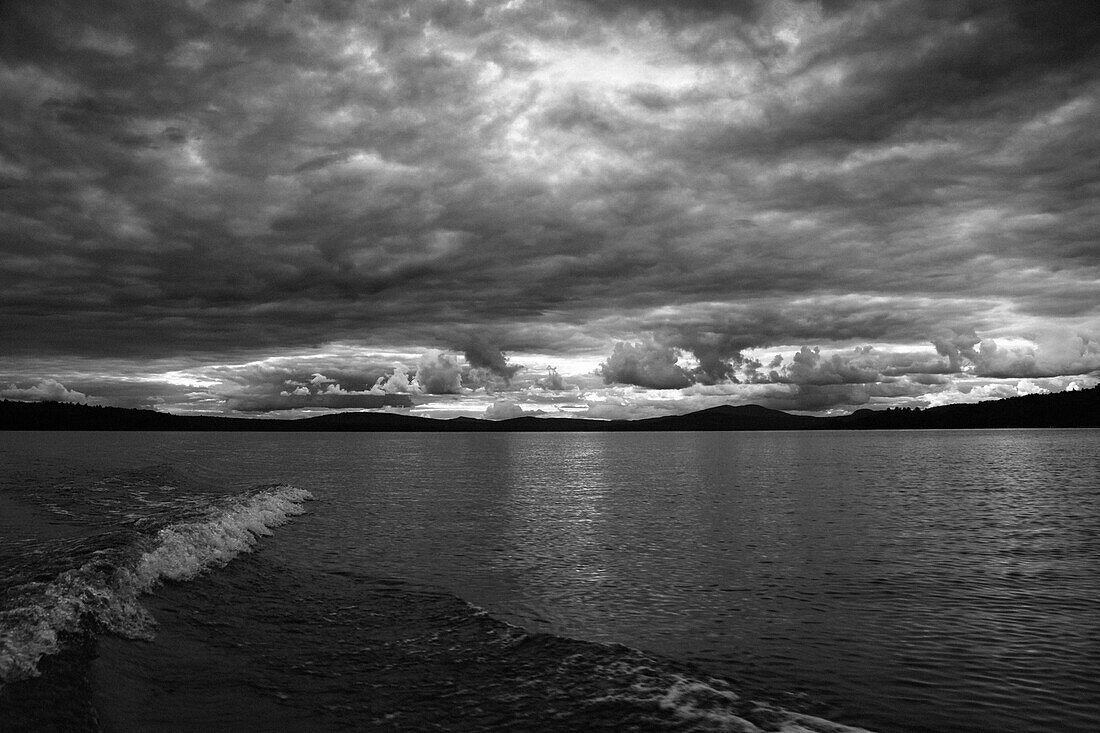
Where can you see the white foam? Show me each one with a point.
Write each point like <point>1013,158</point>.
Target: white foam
<point>711,705</point>
<point>698,702</point>
<point>185,550</point>
<point>109,594</point>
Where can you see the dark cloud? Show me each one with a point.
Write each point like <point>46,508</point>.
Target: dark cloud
<point>285,385</point>
<point>321,161</point>
<point>644,364</point>
<point>808,367</point>
<point>323,400</point>
<point>439,373</point>
<point>923,61</point>
<point>480,353</point>
<point>717,353</point>
<point>956,347</point>
<point>227,181</point>
<point>691,8</point>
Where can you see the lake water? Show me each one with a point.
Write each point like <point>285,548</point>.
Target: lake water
<point>891,581</point>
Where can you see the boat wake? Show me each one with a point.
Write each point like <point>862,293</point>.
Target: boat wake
<point>103,593</point>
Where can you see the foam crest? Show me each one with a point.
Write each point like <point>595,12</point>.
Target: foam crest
<point>711,704</point>
<point>103,593</point>
<point>185,550</point>
<point>51,611</point>
<point>699,702</point>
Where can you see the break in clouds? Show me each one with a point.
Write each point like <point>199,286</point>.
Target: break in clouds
<point>612,209</point>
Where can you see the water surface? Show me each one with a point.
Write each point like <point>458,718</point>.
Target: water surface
<point>897,581</point>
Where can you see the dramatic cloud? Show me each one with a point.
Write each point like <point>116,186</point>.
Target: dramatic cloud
<point>335,188</point>
<point>503,410</point>
<point>553,381</point>
<point>46,390</point>
<point>329,399</point>
<point>480,353</point>
<point>809,367</point>
<point>1056,352</point>
<point>958,347</point>
<point>396,383</point>
<point>645,364</point>
<point>438,373</point>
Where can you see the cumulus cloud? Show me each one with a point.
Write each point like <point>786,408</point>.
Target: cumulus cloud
<point>808,366</point>
<point>45,390</point>
<point>957,347</point>
<point>438,373</point>
<point>480,353</point>
<point>328,399</point>
<point>503,410</point>
<point>267,387</point>
<point>718,353</point>
<point>397,382</point>
<point>1056,352</point>
<point>645,364</point>
<point>553,381</point>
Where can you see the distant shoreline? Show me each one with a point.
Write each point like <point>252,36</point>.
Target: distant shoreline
<point>1078,409</point>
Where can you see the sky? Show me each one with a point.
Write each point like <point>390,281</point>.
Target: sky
<point>590,208</point>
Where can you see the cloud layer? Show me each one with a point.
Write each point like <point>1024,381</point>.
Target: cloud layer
<point>671,194</point>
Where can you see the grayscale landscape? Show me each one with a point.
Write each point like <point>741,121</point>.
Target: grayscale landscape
<point>593,365</point>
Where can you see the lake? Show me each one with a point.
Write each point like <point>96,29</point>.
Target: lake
<point>888,580</point>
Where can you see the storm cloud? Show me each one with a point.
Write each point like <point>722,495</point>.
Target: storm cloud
<point>480,353</point>
<point>660,195</point>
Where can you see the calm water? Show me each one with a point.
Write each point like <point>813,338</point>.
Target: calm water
<point>894,581</point>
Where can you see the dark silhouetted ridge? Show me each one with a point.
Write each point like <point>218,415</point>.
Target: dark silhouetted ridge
<point>1080,409</point>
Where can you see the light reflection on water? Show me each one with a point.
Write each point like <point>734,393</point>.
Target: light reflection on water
<point>904,577</point>
<point>916,581</point>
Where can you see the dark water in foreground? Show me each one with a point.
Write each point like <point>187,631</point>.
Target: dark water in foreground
<point>895,581</point>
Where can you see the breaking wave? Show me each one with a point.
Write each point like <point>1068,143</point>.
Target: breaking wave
<point>103,593</point>
<point>705,704</point>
